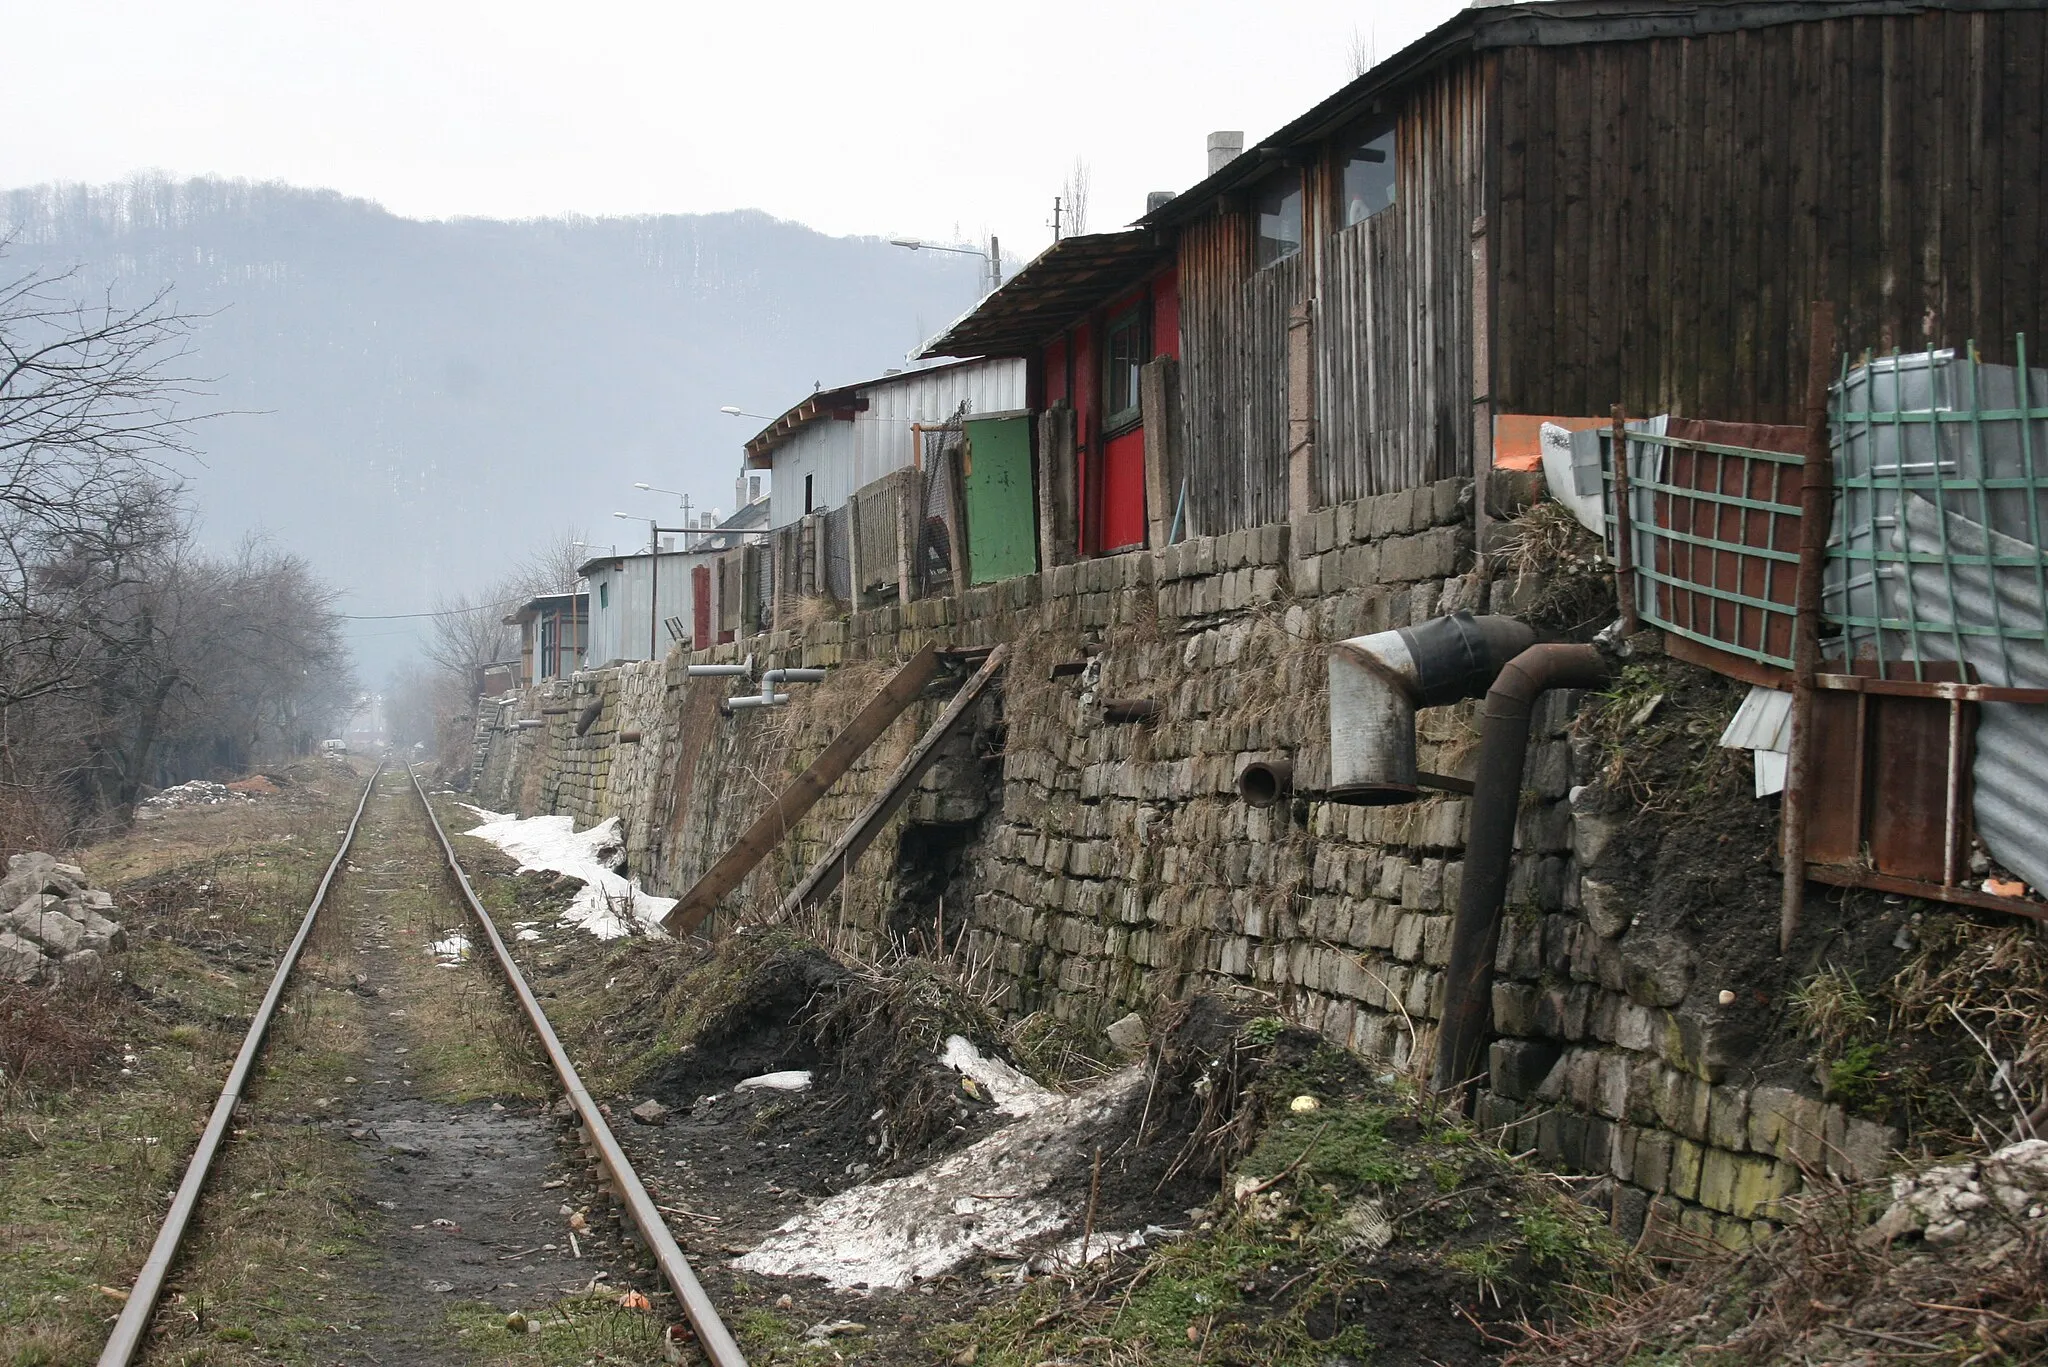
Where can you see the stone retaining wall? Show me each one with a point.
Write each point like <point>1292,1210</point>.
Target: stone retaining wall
<point>1118,868</point>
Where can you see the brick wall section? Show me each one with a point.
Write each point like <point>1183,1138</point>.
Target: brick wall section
<point>1120,868</point>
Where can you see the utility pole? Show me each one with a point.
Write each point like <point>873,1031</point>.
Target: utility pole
<point>995,264</point>
<point>1055,218</point>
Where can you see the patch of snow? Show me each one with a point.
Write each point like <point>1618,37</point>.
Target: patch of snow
<point>1013,1093</point>
<point>796,1080</point>
<point>451,949</point>
<point>607,905</point>
<point>1066,1257</point>
<point>989,1198</point>
<point>529,934</point>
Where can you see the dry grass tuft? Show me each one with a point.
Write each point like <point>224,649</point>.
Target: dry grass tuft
<point>1821,1294</point>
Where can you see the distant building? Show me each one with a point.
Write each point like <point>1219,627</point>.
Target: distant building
<point>837,441</point>
<point>553,629</point>
<point>637,614</point>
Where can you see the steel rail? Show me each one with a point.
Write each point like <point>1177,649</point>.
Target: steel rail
<point>712,1336</point>
<point>135,1316</point>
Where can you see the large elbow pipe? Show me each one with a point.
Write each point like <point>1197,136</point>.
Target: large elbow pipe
<point>1490,847</point>
<point>1377,682</point>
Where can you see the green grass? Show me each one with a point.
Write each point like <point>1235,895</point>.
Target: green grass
<point>571,1331</point>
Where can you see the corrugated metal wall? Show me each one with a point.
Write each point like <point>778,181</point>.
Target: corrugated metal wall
<point>1394,323</point>
<point>618,628</point>
<point>842,457</point>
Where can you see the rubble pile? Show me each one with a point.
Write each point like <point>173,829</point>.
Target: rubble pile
<point>198,793</point>
<point>55,928</point>
<point>2006,1193</point>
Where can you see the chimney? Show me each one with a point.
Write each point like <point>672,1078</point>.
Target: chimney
<point>1157,200</point>
<point>1224,148</point>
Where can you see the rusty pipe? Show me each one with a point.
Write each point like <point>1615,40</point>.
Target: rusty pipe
<point>1264,782</point>
<point>1490,846</point>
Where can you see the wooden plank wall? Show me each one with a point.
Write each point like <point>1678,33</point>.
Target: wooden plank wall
<point>1667,209</point>
<point>1394,383</point>
<point>1233,327</point>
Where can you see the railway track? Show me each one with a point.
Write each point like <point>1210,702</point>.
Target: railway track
<point>131,1332</point>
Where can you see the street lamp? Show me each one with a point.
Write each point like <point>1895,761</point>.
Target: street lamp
<point>735,411</point>
<point>993,256</point>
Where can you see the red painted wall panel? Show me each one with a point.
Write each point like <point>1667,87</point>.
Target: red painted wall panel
<point>1123,491</point>
<point>1166,314</point>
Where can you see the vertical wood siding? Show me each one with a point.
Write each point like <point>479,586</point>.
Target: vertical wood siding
<point>1394,383</point>
<point>1667,209</point>
<point>1233,329</point>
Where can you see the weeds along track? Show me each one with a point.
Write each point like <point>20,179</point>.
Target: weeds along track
<point>436,1181</point>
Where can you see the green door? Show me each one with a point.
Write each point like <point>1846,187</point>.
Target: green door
<point>1002,532</point>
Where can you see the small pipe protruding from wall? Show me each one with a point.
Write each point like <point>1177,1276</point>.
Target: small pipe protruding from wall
<point>776,676</point>
<point>629,737</point>
<point>756,700</point>
<point>1123,711</point>
<point>744,670</point>
<point>1377,682</point>
<point>1264,782</point>
<point>1489,850</point>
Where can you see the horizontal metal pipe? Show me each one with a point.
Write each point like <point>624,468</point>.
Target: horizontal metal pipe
<point>1489,849</point>
<point>1264,782</point>
<point>776,676</point>
<point>745,700</point>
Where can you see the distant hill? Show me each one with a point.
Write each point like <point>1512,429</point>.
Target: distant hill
<point>418,403</point>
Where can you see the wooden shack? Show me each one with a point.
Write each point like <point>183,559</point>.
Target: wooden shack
<point>1548,209</point>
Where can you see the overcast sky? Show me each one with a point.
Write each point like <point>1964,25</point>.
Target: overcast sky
<point>880,118</point>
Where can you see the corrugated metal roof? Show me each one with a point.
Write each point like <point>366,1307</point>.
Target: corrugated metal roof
<point>842,402</point>
<point>1065,281</point>
<point>1552,23</point>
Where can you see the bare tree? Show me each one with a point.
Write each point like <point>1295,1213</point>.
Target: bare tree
<point>551,567</point>
<point>1364,53</point>
<point>1075,195</point>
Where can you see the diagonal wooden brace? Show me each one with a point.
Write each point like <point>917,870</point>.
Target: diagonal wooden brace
<point>825,876</point>
<point>805,789</point>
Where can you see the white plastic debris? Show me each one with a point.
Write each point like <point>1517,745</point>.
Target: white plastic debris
<point>795,1080</point>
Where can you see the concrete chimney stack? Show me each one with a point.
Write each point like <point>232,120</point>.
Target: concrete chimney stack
<point>1224,148</point>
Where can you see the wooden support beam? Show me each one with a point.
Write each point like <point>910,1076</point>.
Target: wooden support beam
<point>1159,402</point>
<point>789,807</point>
<point>827,874</point>
<point>1057,538</point>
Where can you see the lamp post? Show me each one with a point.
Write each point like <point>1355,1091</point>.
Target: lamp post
<point>735,411</point>
<point>993,256</point>
<point>654,532</point>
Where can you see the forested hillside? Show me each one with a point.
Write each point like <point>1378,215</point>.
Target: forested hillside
<point>411,404</point>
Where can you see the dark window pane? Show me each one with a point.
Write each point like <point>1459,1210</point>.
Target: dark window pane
<point>1369,175</point>
<point>1279,206</point>
<point>1124,352</point>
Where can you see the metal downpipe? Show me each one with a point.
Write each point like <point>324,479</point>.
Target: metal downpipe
<point>1377,682</point>
<point>1490,847</point>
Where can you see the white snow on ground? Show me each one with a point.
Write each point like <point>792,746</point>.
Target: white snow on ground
<point>989,1198</point>
<point>1013,1093</point>
<point>607,905</point>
